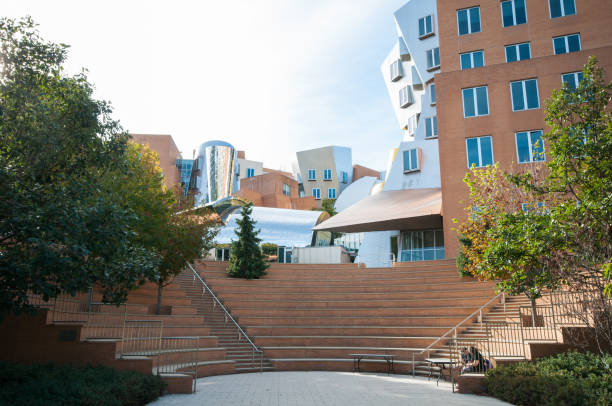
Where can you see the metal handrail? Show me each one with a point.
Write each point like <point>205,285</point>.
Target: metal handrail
<point>477,311</point>
<point>227,313</point>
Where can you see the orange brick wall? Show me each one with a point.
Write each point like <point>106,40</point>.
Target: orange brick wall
<point>168,154</point>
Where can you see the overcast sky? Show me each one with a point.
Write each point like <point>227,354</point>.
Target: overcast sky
<point>271,77</point>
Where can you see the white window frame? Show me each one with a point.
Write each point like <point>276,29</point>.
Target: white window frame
<point>566,39</point>
<point>575,75</point>
<point>411,126</point>
<point>518,54</point>
<point>426,34</point>
<point>469,19</point>
<point>417,167</point>
<point>476,112</point>
<point>406,96</point>
<point>329,193</point>
<point>344,177</point>
<point>314,174</point>
<point>471,54</point>
<point>562,6</point>
<point>327,172</point>
<point>316,193</point>
<point>432,94</point>
<point>467,155</point>
<point>524,91</point>
<point>396,70</point>
<point>514,24</point>
<point>530,145</point>
<point>433,54</point>
<point>429,125</point>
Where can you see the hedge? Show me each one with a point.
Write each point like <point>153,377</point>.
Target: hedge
<point>564,380</point>
<point>50,385</point>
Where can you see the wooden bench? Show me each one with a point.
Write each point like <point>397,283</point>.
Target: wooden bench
<point>388,358</point>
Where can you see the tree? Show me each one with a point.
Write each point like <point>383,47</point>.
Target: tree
<point>246,259</point>
<point>327,205</point>
<point>61,230</point>
<point>564,237</point>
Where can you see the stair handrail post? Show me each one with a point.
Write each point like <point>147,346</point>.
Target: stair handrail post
<point>216,302</point>
<point>413,371</point>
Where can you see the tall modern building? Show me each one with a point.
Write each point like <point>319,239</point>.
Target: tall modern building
<point>215,172</point>
<point>325,172</point>
<point>468,82</point>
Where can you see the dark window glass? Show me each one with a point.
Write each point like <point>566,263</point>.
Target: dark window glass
<point>531,88</point>
<point>478,59</point>
<point>511,55</point>
<point>524,51</point>
<point>573,42</point>
<point>468,103</point>
<point>472,151</point>
<point>518,102</point>
<point>475,19</point>
<point>507,14</point>
<point>559,45</point>
<point>486,150</point>
<point>462,21</point>
<point>522,147</point>
<point>482,102</point>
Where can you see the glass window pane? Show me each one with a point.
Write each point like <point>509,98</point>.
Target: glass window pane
<point>468,103</point>
<point>569,7</point>
<point>439,238</point>
<point>522,147</point>
<point>421,26</point>
<point>478,59</point>
<point>462,21</point>
<point>531,87</point>
<point>518,102</point>
<point>537,146</point>
<point>429,58</point>
<point>570,80</point>
<point>433,93</point>
<point>472,152</point>
<point>486,150</point>
<point>524,51</point>
<point>466,61</point>
<point>521,12</point>
<point>436,56</point>
<point>483,103</point>
<point>511,53</point>
<point>428,127</point>
<point>406,160</point>
<point>573,42</point>
<point>555,8</point>
<point>475,19</point>
<point>507,13</point>
<point>428,239</point>
<point>435,126</point>
<point>579,79</point>
<point>559,45</point>
<point>417,240</point>
<point>413,159</point>
<point>428,23</point>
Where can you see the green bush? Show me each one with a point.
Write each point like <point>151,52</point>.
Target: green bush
<point>564,380</point>
<point>267,248</point>
<point>67,385</point>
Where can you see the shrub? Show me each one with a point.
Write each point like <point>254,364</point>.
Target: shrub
<point>268,248</point>
<point>51,385</point>
<point>567,379</point>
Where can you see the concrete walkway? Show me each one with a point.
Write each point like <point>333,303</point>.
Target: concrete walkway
<point>322,389</point>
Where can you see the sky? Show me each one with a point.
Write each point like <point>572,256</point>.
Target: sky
<point>271,77</point>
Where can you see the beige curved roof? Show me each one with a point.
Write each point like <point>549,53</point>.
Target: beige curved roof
<point>389,210</point>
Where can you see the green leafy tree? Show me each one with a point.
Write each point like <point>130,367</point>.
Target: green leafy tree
<point>327,205</point>
<point>61,229</point>
<point>246,259</point>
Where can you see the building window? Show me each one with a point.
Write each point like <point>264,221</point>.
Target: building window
<point>566,44</point>
<point>344,176</point>
<point>413,122</point>
<point>470,60</point>
<point>316,193</point>
<point>406,97</point>
<point>331,193</point>
<point>411,160</point>
<point>479,151</point>
<point>572,79</point>
<point>518,52</point>
<point>525,95</point>
<point>513,12</point>
<point>432,93</point>
<point>312,174</point>
<point>475,101</point>
<point>561,8</point>
<point>250,172</point>
<point>423,245</point>
<point>286,189</point>
<point>433,58</point>
<point>396,70</point>
<point>530,146</point>
<point>468,20</point>
<point>327,174</point>
<point>431,127</point>
<point>426,27</point>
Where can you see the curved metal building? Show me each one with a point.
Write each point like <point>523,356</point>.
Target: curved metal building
<point>216,172</point>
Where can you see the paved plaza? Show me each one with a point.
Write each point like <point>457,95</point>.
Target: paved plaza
<point>322,389</point>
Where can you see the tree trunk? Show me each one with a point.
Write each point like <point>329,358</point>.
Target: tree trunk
<point>533,312</point>
<point>160,286</point>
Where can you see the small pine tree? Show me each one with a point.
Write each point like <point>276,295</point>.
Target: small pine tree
<point>246,260</point>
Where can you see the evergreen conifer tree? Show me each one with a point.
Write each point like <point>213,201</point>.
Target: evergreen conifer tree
<point>246,259</point>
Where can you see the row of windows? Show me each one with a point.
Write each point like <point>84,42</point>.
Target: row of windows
<point>250,172</point>
<point>331,193</point>
<point>529,148</point>
<point>524,95</point>
<point>327,175</point>
<point>513,12</point>
<point>519,52</point>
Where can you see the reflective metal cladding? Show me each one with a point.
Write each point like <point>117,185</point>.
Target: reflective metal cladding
<point>217,177</point>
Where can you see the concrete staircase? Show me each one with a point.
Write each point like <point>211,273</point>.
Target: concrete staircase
<point>312,317</point>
